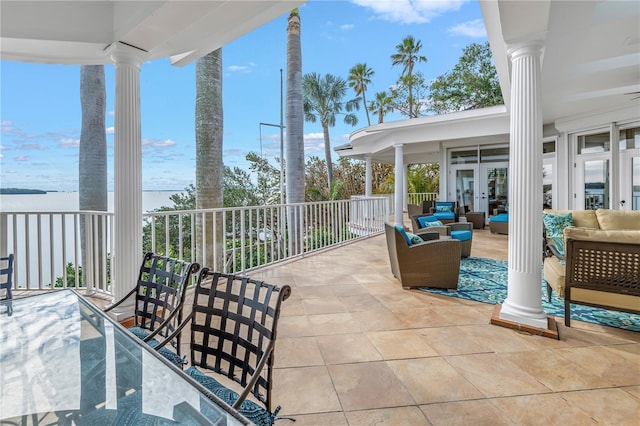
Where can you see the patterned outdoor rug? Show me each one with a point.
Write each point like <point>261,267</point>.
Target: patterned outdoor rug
<point>485,280</point>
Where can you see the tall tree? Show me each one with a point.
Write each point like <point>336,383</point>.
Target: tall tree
<point>410,95</point>
<point>381,106</point>
<point>93,154</point>
<point>323,101</point>
<point>359,77</point>
<point>473,82</point>
<point>408,55</point>
<point>295,126</point>
<point>209,165</point>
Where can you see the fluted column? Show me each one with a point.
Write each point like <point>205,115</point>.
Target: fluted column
<point>524,295</point>
<point>367,176</point>
<point>399,185</point>
<point>127,247</point>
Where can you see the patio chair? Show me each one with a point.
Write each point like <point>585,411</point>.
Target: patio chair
<point>234,322</point>
<point>6,277</point>
<point>461,231</point>
<point>445,211</point>
<point>434,263</point>
<point>159,298</point>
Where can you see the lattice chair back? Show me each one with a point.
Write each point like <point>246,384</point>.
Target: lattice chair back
<point>6,277</point>
<point>159,297</point>
<point>233,332</point>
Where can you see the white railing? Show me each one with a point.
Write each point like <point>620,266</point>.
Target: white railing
<point>418,197</point>
<point>48,245</point>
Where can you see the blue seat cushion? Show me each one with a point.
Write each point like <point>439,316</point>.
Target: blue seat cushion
<point>461,235</point>
<point>502,217</point>
<point>248,408</point>
<point>173,357</point>
<point>445,215</point>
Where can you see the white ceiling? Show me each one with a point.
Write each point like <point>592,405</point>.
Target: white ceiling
<point>591,57</point>
<point>79,32</point>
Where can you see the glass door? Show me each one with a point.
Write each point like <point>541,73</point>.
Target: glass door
<point>465,188</point>
<point>593,183</point>
<point>494,187</point>
<point>630,180</point>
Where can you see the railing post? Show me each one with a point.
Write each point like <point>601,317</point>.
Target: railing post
<point>3,235</point>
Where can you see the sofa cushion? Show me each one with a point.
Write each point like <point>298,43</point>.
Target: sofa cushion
<point>502,217</point>
<point>613,236</point>
<point>461,235</point>
<point>425,221</point>
<point>404,234</point>
<point>554,274</point>
<point>555,224</point>
<point>618,219</point>
<point>445,215</point>
<point>581,218</point>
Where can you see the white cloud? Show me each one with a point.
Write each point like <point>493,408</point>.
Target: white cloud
<point>410,11</point>
<point>474,29</point>
<point>157,143</point>
<point>110,130</point>
<point>346,27</point>
<point>22,158</point>
<point>241,68</point>
<point>314,142</point>
<point>69,143</point>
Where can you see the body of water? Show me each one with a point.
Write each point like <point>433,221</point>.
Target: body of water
<point>69,201</point>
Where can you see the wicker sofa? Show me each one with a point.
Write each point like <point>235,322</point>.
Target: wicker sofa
<point>434,263</point>
<point>602,255</point>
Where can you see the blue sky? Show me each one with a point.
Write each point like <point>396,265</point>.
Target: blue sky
<point>40,104</point>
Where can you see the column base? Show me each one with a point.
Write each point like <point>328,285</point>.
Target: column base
<point>551,331</point>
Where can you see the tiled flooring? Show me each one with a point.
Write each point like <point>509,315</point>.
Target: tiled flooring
<point>354,348</point>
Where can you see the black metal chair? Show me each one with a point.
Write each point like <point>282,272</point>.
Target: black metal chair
<point>159,299</point>
<point>234,323</point>
<point>6,277</point>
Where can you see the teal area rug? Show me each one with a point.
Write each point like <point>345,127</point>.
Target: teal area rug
<point>485,280</point>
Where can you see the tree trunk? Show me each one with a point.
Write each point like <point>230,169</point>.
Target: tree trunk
<point>295,127</point>
<point>209,165</point>
<point>92,167</point>
<point>327,154</point>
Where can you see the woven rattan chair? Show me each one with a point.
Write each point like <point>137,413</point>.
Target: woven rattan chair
<point>234,323</point>
<point>6,277</point>
<point>434,263</point>
<point>159,298</point>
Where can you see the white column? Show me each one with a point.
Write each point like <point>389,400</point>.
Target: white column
<point>127,248</point>
<point>399,185</point>
<point>367,176</point>
<point>524,292</point>
<point>405,187</point>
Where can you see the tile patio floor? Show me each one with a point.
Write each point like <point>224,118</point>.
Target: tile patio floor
<point>354,348</point>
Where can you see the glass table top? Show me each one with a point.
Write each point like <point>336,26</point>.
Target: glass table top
<point>62,360</point>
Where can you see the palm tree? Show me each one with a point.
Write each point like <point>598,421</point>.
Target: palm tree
<point>295,125</point>
<point>93,153</point>
<point>322,100</point>
<point>408,56</point>
<point>359,77</point>
<point>209,165</point>
<point>381,106</point>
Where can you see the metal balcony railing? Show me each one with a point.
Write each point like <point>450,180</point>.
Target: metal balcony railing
<point>48,246</point>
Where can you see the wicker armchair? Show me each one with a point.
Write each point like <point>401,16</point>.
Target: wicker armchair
<point>434,263</point>
<point>462,231</point>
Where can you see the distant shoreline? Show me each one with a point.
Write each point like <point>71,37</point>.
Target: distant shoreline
<point>22,191</point>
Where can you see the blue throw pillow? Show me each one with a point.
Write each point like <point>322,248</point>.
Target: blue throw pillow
<point>433,223</point>
<point>425,221</point>
<point>443,209</point>
<point>415,239</point>
<point>555,224</point>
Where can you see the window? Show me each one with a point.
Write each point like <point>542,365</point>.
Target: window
<point>464,157</point>
<point>590,144</point>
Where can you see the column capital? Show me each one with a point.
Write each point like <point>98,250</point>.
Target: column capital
<point>122,53</point>
<point>530,47</point>
<point>398,145</point>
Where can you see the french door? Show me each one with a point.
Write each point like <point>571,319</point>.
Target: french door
<point>630,179</point>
